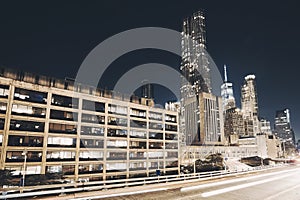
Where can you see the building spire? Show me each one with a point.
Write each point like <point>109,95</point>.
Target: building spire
<point>225,74</point>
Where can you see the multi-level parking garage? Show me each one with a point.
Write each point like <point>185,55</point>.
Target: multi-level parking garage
<point>50,125</point>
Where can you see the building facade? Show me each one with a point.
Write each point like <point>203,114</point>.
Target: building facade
<point>283,128</point>
<point>227,93</point>
<point>196,87</point>
<point>274,146</point>
<point>192,153</point>
<point>49,125</point>
<point>234,126</point>
<point>269,146</point>
<point>211,119</point>
<point>250,106</point>
<point>265,126</point>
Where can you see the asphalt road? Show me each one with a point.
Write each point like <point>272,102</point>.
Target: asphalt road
<point>278,185</point>
<point>282,184</point>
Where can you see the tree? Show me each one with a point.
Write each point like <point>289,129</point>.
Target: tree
<point>215,159</point>
<point>6,177</point>
<point>212,162</point>
<point>43,179</point>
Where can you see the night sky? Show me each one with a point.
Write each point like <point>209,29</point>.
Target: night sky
<point>256,37</point>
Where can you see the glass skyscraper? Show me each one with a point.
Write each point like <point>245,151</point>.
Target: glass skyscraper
<point>283,128</point>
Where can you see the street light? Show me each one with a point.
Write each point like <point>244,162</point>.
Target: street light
<point>24,167</point>
<point>283,143</point>
<point>284,153</point>
<point>261,159</point>
<point>226,159</point>
<point>194,163</point>
<point>158,170</point>
<point>158,162</point>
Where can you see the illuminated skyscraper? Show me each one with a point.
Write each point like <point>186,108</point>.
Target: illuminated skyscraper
<point>250,106</point>
<point>195,65</point>
<point>227,93</point>
<point>249,96</point>
<point>283,128</point>
<point>196,86</point>
<point>234,126</point>
<point>193,40</point>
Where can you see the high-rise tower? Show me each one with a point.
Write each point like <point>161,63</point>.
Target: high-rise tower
<point>249,96</point>
<point>283,128</point>
<point>147,94</point>
<point>199,107</point>
<point>227,93</point>
<point>250,106</point>
<point>147,90</point>
<point>195,65</point>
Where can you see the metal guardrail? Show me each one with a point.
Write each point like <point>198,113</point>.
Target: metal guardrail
<point>110,184</point>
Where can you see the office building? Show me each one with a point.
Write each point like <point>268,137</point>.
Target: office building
<point>196,85</point>
<point>234,126</point>
<point>265,126</point>
<point>250,106</point>
<point>82,131</point>
<point>147,94</point>
<point>211,119</point>
<point>283,128</point>
<point>147,90</point>
<point>227,93</point>
<point>268,146</point>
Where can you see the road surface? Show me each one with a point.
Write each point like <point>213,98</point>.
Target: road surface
<point>278,185</point>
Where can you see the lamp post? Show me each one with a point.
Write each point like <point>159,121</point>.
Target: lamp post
<point>194,163</point>
<point>261,159</point>
<point>157,162</point>
<point>283,143</point>
<point>24,167</point>
<point>158,170</point>
<point>226,159</point>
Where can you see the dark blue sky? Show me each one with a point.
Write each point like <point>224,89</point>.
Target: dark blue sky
<point>249,36</point>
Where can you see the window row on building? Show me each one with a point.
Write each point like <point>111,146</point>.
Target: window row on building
<point>54,155</point>
<point>100,168</point>
<point>32,96</point>
<point>70,142</point>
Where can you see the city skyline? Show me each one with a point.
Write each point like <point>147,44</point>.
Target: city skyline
<point>250,37</point>
<point>109,98</point>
